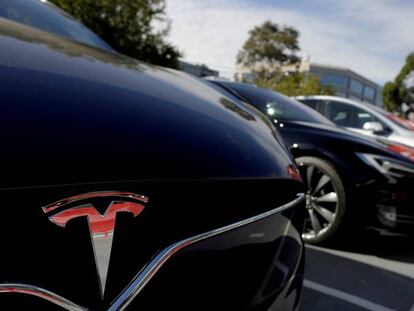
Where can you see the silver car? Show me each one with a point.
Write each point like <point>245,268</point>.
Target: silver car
<point>361,117</point>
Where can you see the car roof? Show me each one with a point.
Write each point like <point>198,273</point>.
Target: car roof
<point>343,100</point>
<point>379,112</point>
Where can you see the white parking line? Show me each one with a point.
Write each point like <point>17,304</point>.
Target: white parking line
<point>360,302</point>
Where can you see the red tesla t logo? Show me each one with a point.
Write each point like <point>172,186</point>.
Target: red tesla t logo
<point>101,225</point>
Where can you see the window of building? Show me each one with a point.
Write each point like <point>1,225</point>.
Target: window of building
<point>341,94</point>
<point>247,76</point>
<point>356,87</point>
<point>357,98</point>
<point>334,80</point>
<point>369,93</point>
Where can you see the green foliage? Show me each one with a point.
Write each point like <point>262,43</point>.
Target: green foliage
<point>405,80</point>
<point>269,48</point>
<point>401,90</point>
<point>390,96</point>
<point>294,84</point>
<point>270,45</point>
<point>133,27</point>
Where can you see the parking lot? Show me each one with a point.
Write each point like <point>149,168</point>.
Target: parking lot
<point>367,273</point>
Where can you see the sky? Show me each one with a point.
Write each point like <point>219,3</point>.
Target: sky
<point>371,37</point>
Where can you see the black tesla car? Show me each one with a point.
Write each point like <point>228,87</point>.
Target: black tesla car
<point>126,186</point>
<point>352,181</point>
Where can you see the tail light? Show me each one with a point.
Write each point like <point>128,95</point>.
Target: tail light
<point>403,150</point>
<point>294,173</point>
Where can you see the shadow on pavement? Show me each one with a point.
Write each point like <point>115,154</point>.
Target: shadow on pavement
<point>395,248</point>
<point>334,280</point>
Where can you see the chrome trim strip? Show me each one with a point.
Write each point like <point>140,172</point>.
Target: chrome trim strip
<point>41,293</point>
<point>98,194</point>
<point>150,270</point>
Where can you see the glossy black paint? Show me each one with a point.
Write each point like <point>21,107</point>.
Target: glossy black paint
<point>75,120</point>
<point>118,119</point>
<point>320,138</point>
<point>46,16</point>
<point>268,280</point>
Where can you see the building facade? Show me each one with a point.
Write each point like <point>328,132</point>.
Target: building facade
<point>346,82</point>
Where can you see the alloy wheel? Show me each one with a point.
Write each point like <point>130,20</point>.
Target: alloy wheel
<point>321,201</point>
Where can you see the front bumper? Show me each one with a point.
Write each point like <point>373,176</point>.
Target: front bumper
<point>394,208</point>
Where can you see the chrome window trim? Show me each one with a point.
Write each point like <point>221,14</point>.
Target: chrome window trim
<point>151,269</point>
<point>40,293</point>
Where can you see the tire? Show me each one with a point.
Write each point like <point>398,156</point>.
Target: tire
<point>325,199</point>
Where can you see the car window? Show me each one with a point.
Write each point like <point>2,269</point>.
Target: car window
<point>350,116</point>
<point>311,103</point>
<point>47,17</point>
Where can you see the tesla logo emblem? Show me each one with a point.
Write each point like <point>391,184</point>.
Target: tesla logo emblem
<point>100,209</point>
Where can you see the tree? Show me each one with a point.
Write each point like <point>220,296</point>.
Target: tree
<point>269,46</point>
<point>133,27</point>
<point>390,96</point>
<point>295,84</point>
<point>268,51</point>
<point>401,90</point>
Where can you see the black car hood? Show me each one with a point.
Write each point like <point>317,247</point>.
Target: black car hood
<point>359,142</point>
<point>343,133</point>
<point>71,113</point>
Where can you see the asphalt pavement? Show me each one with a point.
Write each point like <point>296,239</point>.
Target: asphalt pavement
<point>364,273</point>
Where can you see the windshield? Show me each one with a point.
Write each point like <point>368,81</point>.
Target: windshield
<point>406,124</point>
<point>379,110</point>
<point>45,16</point>
<point>275,105</point>
<point>396,120</point>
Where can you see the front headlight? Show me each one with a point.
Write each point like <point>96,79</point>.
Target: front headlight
<point>387,166</point>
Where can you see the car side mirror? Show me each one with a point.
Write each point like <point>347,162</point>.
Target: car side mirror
<point>374,127</point>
